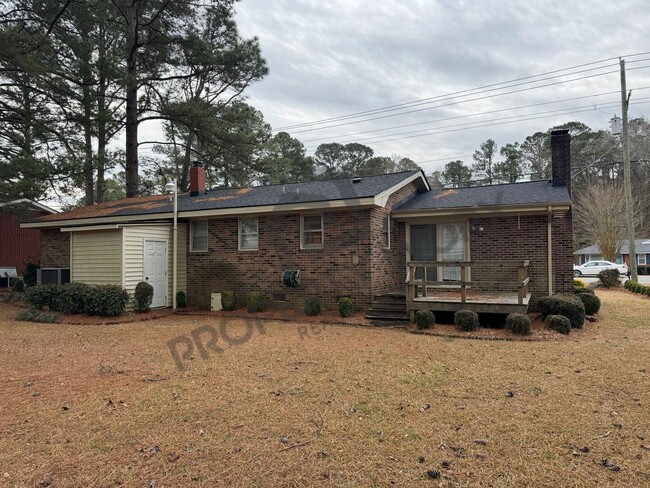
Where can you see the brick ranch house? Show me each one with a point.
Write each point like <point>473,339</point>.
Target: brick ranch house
<point>20,246</point>
<point>491,249</point>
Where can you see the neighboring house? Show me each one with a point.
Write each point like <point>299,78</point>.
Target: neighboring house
<point>357,237</point>
<point>20,246</point>
<point>642,248</point>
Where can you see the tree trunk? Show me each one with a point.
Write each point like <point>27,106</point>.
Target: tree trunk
<point>132,101</point>
<point>89,181</point>
<point>185,172</point>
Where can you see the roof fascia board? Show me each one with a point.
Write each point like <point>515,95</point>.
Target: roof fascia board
<point>39,206</point>
<point>382,198</point>
<point>260,209</point>
<point>405,214</point>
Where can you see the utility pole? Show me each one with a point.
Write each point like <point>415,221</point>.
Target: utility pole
<point>627,177</point>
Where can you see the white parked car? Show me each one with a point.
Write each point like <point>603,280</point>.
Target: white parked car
<point>595,267</point>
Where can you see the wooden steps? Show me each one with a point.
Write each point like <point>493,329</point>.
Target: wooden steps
<point>389,307</point>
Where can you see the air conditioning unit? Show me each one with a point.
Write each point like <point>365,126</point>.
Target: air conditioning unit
<point>6,275</point>
<point>53,276</point>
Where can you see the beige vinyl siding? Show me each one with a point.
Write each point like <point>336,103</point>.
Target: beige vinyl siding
<point>96,257</point>
<point>134,238</point>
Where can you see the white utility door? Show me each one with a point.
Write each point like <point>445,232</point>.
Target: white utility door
<point>155,271</point>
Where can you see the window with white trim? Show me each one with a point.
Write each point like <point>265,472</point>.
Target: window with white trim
<point>641,259</point>
<point>248,234</point>
<point>199,236</point>
<point>311,232</point>
<point>385,231</point>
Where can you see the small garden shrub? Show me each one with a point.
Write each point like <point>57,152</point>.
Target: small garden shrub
<point>346,307</point>
<point>312,306</point>
<point>635,287</point>
<point>17,285</point>
<point>74,298</point>
<point>142,297</point>
<point>41,296</point>
<point>256,302</point>
<point>33,315</point>
<point>108,300</point>
<point>518,323</point>
<point>30,274</point>
<point>181,299</point>
<point>424,319</point>
<point>578,283</point>
<point>466,320</point>
<point>609,278</point>
<point>228,300</point>
<point>568,305</point>
<point>558,323</point>
<point>591,303</point>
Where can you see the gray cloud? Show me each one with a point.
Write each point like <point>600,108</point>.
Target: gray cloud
<point>334,58</point>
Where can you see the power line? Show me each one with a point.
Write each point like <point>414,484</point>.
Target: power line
<point>475,114</point>
<point>520,90</point>
<point>406,104</point>
<point>474,126</point>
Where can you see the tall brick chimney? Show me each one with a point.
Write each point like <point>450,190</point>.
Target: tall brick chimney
<point>561,159</point>
<point>197,179</point>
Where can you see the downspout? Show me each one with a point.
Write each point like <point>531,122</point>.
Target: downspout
<point>549,250</point>
<point>175,256</point>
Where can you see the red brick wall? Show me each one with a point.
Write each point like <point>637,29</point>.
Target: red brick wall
<point>18,246</point>
<point>388,266</point>
<point>525,238</point>
<point>327,273</point>
<point>55,248</point>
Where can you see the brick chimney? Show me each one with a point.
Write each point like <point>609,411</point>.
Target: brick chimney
<point>561,159</point>
<point>197,179</point>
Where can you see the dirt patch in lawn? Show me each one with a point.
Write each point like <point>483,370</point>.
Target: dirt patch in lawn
<point>338,406</point>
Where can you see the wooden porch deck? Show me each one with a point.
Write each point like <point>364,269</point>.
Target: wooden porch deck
<point>480,302</point>
<point>502,287</point>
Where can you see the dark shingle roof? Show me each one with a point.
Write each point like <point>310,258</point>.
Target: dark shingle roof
<point>642,246</point>
<point>296,193</point>
<point>525,193</point>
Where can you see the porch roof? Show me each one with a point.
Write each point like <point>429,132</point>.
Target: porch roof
<point>510,194</point>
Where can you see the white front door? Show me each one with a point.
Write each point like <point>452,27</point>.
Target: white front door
<point>155,271</point>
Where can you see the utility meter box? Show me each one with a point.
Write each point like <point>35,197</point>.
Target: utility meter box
<point>215,302</point>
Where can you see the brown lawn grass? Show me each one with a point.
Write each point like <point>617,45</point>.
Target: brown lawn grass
<point>351,402</point>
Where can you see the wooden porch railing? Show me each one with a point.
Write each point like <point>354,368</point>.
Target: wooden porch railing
<point>418,287</point>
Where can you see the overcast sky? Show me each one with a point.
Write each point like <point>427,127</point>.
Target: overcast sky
<point>334,58</point>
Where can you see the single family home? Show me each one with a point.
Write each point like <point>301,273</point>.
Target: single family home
<point>642,249</point>
<point>388,242</point>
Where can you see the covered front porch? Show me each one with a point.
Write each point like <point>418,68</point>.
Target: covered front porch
<point>500,287</point>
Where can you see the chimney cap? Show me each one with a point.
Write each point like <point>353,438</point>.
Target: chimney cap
<point>197,164</point>
<point>560,132</point>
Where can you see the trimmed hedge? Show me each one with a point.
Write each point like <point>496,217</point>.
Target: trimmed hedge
<point>635,287</point>
<point>76,298</point>
<point>568,305</point>
<point>312,306</point>
<point>256,302</point>
<point>558,323</point>
<point>346,307</point>
<point>424,319</point>
<point>41,296</point>
<point>142,297</point>
<point>584,290</point>
<point>228,300</point>
<point>466,320</point>
<point>610,278</point>
<point>518,323</point>
<point>590,301</point>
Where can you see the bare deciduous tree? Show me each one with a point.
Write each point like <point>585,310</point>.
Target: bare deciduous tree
<point>599,217</point>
